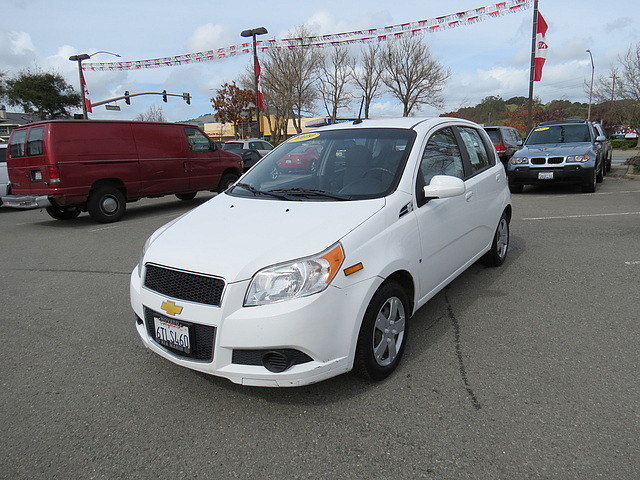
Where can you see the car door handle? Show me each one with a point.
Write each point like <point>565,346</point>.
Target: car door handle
<point>468,196</point>
<point>498,177</point>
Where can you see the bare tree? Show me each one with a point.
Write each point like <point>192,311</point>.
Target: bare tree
<point>630,74</point>
<point>152,114</point>
<point>334,74</point>
<point>290,75</point>
<point>412,75</point>
<point>368,75</point>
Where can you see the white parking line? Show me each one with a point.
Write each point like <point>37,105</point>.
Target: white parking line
<point>635,262</point>
<point>103,228</point>
<point>583,216</point>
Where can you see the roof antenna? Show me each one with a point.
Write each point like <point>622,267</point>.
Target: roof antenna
<point>359,120</point>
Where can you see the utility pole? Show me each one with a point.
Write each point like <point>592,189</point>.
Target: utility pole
<point>613,87</point>
<point>533,59</point>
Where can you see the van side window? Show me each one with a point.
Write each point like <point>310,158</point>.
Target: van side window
<point>34,145</point>
<point>198,141</point>
<point>476,149</point>
<point>441,156</point>
<point>18,143</point>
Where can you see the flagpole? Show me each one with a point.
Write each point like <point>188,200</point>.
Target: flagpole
<point>532,66</point>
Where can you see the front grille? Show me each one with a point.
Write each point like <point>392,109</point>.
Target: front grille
<point>547,160</point>
<point>202,338</point>
<point>181,285</point>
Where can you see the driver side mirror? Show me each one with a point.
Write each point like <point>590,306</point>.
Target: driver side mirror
<point>601,138</point>
<point>444,186</point>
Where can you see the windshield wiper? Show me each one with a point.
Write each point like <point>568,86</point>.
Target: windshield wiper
<point>310,192</point>
<point>256,192</point>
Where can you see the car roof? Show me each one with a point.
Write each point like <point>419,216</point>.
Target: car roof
<point>409,123</point>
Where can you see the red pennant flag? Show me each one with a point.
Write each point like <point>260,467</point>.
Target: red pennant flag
<point>260,97</point>
<point>87,101</point>
<point>541,48</point>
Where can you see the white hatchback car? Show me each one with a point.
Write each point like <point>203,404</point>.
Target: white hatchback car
<point>292,280</point>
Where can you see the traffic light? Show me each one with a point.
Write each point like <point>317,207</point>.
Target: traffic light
<point>187,98</point>
<point>127,100</point>
<point>164,95</point>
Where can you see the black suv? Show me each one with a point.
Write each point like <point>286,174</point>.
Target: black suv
<point>506,141</point>
<point>567,151</point>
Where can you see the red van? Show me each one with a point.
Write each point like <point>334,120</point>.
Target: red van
<point>71,166</point>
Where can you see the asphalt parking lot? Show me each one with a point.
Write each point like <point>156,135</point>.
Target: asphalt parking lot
<point>525,371</point>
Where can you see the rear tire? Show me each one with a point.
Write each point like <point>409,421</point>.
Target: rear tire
<point>106,204</point>
<point>383,334</point>
<point>61,213</point>
<point>498,252</point>
<point>186,196</point>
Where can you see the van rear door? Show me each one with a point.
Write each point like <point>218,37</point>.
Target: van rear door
<point>28,171</point>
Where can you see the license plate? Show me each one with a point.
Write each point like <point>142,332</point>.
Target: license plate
<point>545,175</point>
<point>172,334</point>
<point>37,176</point>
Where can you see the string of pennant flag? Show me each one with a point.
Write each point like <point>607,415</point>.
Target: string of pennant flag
<point>436,24</point>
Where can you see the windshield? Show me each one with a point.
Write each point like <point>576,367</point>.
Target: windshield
<point>331,165</point>
<point>559,134</point>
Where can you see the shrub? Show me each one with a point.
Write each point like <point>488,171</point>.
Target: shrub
<point>624,144</point>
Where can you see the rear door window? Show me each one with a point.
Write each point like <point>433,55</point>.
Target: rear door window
<point>18,140</point>
<point>35,145</point>
<point>476,149</point>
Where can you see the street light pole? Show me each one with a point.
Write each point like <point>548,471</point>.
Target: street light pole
<point>79,58</point>
<point>591,87</point>
<point>253,33</point>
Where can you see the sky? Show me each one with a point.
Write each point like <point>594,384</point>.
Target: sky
<point>488,58</point>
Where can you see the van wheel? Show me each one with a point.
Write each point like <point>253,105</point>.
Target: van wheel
<point>226,181</point>
<point>383,333</point>
<point>106,204</point>
<point>186,196</point>
<point>60,213</point>
<point>498,251</point>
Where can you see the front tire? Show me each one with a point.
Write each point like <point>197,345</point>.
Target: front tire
<point>106,204</point>
<point>383,334</point>
<point>591,186</point>
<point>226,181</point>
<point>514,188</point>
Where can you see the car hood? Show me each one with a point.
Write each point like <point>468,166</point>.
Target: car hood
<point>234,237</point>
<point>554,149</point>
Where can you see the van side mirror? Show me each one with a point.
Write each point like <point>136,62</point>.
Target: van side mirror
<point>444,186</point>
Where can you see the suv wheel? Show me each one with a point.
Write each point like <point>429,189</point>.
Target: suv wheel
<point>591,186</point>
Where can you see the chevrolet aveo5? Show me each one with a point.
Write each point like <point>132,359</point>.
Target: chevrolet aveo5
<point>291,280</point>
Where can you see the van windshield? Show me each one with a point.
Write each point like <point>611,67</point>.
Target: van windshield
<point>333,165</point>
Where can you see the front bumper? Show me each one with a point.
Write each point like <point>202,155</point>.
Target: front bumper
<point>26,201</point>
<point>527,175</point>
<point>322,327</point>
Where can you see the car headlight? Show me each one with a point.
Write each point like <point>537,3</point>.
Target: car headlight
<point>577,158</point>
<point>519,160</point>
<point>294,279</point>
<point>152,239</point>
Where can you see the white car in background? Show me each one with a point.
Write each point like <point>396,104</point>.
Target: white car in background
<point>291,280</point>
<point>4,176</point>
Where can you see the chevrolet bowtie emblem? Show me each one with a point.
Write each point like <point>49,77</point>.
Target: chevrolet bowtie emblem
<point>171,308</point>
